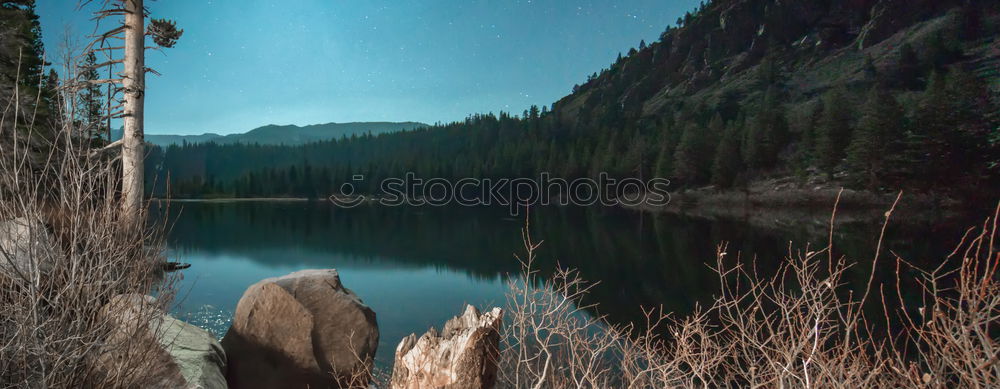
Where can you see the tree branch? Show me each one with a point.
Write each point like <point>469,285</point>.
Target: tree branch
<point>103,64</point>
<point>113,11</point>
<point>110,147</point>
<point>107,48</point>
<point>112,33</point>
<point>104,81</point>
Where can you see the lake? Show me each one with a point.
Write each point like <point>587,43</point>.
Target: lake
<point>417,267</point>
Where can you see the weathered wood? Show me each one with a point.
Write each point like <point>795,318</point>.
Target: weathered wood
<point>134,84</point>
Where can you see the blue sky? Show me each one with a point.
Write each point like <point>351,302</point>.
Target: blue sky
<point>246,63</point>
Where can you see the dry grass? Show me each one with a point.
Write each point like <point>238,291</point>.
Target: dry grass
<point>797,328</point>
<point>53,333</point>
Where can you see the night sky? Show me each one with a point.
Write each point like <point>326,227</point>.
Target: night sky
<point>247,63</point>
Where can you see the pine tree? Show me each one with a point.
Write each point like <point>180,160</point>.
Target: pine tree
<point>908,67</point>
<point>727,164</point>
<point>769,73</point>
<point>716,130</point>
<point>692,161</point>
<point>971,21</point>
<point>834,130</point>
<point>877,145</point>
<point>664,167</point>
<point>605,158</point>
<point>928,148</point>
<point>751,146</point>
<point>767,134</point>
<point>90,105</point>
<point>941,51</point>
<point>871,71</point>
<point>972,127</point>
<point>665,33</point>
<point>22,62</point>
<point>729,105</point>
<point>805,150</point>
<point>571,168</point>
<point>22,46</point>
<point>636,156</point>
<point>50,91</point>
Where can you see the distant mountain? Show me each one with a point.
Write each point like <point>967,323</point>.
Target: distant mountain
<point>287,135</point>
<point>166,140</point>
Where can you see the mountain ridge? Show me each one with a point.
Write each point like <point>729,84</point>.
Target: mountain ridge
<point>288,134</point>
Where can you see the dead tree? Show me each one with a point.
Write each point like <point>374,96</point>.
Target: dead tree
<point>130,83</point>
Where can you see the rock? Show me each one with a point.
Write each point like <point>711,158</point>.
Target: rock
<point>199,356</point>
<point>301,330</point>
<point>738,20</point>
<point>464,355</point>
<point>178,355</point>
<point>888,17</point>
<point>27,249</point>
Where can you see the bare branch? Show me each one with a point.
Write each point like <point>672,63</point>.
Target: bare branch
<point>103,64</point>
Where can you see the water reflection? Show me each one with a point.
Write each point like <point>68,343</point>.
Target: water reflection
<point>418,266</point>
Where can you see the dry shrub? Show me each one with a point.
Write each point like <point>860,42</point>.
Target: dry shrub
<point>957,326</point>
<point>52,331</point>
<point>800,327</point>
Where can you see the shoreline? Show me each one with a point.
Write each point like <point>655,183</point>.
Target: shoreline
<point>794,206</point>
<point>236,199</point>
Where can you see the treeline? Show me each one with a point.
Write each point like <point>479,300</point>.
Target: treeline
<point>946,140</point>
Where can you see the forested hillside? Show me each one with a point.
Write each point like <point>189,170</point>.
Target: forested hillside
<point>873,94</point>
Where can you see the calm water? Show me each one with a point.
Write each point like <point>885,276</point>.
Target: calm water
<point>416,267</point>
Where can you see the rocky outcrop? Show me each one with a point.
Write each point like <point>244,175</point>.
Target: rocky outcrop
<point>27,249</point>
<point>884,21</point>
<point>301,330</point>
<point>464,355</point>
<point>174,354</point>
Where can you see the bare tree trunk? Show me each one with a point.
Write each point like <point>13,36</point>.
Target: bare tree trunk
<point>135,85</point>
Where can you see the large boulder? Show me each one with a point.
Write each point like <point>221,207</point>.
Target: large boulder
<point>27,249</point>
<point>463,356</point>
<point>301,330</point>
<point>168,352</point>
